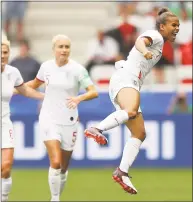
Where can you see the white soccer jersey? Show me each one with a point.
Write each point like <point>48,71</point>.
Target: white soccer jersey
<point>11,78</point>
<point>137,64</point>
<point>61,83</point>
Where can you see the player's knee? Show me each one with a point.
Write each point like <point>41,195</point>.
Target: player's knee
<point>6,168</point>
<point>55,163</point>
<point>132,114</point>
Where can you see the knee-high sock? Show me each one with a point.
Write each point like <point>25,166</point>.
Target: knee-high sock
<point>6,188</point>
<point>113,120</point>
<point>130,153</point>
<point>54,183</point>
<point>63,177</point>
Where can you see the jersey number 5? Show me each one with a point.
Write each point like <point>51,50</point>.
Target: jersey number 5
<point>74,136</point>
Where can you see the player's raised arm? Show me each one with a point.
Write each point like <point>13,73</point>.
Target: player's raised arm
<point>141,45</point>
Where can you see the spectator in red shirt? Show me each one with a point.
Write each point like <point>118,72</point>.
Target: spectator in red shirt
<point>125,33</point>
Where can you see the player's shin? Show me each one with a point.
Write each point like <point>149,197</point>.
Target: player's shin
<point>113,120</point>
<point>130,153</point>
<point>6,188</point>
<point>54,183</point>
<point>63,181</point>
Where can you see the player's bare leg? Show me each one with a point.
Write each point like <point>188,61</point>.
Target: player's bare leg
<point>65,160</point>
<point>128,99</point>
<point>54,153</point>
<point>129,110</point>
<point>130,152</point>
<point>132,146</point>
<point>6,165</point>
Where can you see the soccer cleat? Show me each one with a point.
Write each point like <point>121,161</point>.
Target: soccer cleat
<point>97,135</point>
<point>124,180</point>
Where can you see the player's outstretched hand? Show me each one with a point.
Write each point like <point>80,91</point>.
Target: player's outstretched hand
<point>148,55</point>
<point>72,102</point>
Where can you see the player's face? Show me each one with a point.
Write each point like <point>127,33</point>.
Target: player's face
<point>4,56</point>
<point>170,29</point>
<point>62,50</point>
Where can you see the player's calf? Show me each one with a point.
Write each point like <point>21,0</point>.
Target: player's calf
<point>6,169</point>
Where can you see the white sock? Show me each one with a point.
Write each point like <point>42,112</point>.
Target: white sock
<point>6,188</point>
<point>54,183</point>
<point>113,120</point>
<point>130,153</point>
<point>63,177</point>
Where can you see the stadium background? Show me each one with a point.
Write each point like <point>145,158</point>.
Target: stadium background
<point>163,169</point>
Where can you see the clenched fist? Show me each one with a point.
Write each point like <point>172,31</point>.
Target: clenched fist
<point>148,55</point>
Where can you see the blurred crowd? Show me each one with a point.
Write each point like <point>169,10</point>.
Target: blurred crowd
<point>13,27</point>
<point>113,43</point>
<point>133,18</point>
<point>13,13</point>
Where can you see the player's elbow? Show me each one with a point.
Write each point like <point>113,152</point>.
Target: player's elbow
<point>34,83</point>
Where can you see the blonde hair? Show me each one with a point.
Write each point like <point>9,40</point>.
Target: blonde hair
<point>59,37</point>
<point>5,41</point>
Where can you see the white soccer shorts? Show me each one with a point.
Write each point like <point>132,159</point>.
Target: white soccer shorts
<point>67,135</point>
<point>7,135</point>
<point>122,79</point>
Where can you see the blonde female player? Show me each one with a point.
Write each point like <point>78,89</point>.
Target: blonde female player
<point>59,115</point>
<point>124,90</point>
<point>11,78</point>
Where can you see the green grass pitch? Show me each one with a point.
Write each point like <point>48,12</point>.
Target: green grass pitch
<point>97,185</point>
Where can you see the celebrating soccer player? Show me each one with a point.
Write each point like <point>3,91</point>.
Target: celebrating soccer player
<point>124,91</point>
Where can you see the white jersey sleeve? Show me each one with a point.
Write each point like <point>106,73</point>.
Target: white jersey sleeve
<point>84,78</point>
<point>40,74</point>
<point>154,35</point>
<point>18,78</point>
<point>137,64</point>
